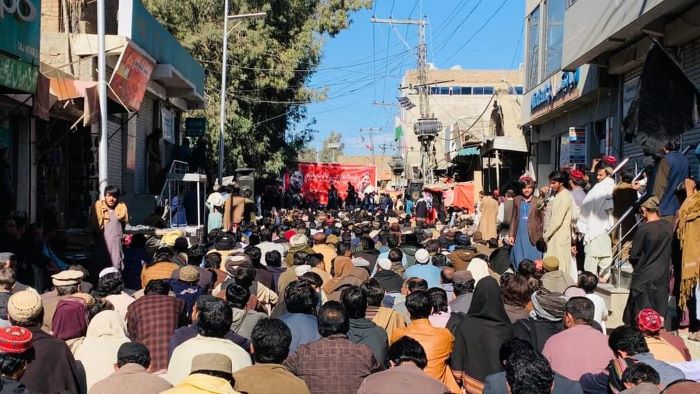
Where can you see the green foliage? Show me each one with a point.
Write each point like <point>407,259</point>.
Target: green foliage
<point>270,63</point>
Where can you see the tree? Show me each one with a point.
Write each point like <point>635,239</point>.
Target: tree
<point>332,147</point>
<point>270,63</point>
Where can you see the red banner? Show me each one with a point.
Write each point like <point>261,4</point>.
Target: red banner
<point>314,179</point>
<point>131,77</point>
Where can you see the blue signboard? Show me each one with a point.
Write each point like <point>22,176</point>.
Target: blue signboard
<point>547,94</point>
<point>20,29</point>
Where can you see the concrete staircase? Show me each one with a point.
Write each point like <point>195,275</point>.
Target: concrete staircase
<point>615,294</point>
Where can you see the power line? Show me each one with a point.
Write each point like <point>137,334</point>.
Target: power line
<point>449,37</point>
<point>490,18</point>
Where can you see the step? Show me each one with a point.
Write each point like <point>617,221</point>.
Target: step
<point>624,278</point>
<point>615,300</point>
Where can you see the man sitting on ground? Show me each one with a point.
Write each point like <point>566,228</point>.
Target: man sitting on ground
<point>271,339</point>
<point>131,373</point>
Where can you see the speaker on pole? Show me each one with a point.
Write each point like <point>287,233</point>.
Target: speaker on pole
<point>246,180</point>
<point>414,190</point>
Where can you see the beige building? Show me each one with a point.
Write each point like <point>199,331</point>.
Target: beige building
<point>479,111</point>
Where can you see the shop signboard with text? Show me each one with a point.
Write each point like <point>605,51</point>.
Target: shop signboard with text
<point>552,95</point>
<point>20,28</point>
<point>130,78</point>
<point>17,75</point>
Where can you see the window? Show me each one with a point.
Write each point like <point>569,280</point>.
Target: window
<point>434,90</point>
<point>466,90</point>
<point>488,89</point>
<point>555,36</point>
<point>478,90</point>
<point>533,48</point>
<point>444,91</point>
<point>515,90</point>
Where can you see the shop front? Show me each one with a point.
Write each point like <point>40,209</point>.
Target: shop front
<point>20,26</point>
<point>569,117</point>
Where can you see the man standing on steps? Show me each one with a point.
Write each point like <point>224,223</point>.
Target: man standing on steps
<point>651,258</point>
<point>672,170</point>
<point>525,224</point>
<point>558,232</point>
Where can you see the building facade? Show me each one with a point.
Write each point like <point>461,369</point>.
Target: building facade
<point>19,82</point>
<point>153,82</point>
<point>582,68</point>
<point>479,111</point>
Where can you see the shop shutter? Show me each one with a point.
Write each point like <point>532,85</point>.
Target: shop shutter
<point>632,77</point>
<point>691,65</point>
<point>144,127</point>
<point>114,174</point>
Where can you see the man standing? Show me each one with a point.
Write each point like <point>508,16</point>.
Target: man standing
<point>671,171</point>
<point>651,258</point>
<point>595,221</point>
<point>332,197</point>
<point>558,233</point>
<point>108,218</point>
<point>333,364</point>
<point>234,207</point>
<point>525,224</point>
<point>489,213</point>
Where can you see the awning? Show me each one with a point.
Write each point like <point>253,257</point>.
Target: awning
<point>505,143</point>
<point>469,151</point>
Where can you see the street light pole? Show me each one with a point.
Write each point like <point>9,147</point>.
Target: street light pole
<point>222,114</point>
<point>103,151</point>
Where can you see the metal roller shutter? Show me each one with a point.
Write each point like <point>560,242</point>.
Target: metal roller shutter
<point>691,65</point>
<point>630,91</point>
<point>114,174</point>
<point>144,127</point>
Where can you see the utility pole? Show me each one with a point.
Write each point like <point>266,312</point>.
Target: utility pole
<point>427,126</point>
<point>222,113</point>
<point>103,152</point>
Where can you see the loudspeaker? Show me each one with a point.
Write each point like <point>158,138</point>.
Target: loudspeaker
<point>414,190</point>
<point>246,180</point>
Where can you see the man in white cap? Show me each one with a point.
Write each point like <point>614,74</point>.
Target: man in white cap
<point>390,280</point>
<point>424,269</point>
<point>53,368</point>
<point>67,283</point>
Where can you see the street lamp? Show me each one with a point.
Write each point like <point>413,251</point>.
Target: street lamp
<point>222,114</point>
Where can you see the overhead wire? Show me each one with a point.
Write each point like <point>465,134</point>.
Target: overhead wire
<point>450,36</point>
<point>479,30</point>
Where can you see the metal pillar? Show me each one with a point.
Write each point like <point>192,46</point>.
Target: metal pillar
<point>103,152</point>
<point>222,112</point>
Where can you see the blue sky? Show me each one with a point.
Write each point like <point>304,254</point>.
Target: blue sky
<point>364,63</point>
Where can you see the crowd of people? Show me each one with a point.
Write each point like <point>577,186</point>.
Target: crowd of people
<point>369,300</point>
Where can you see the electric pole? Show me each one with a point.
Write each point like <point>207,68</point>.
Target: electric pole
<point>427,126</point>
